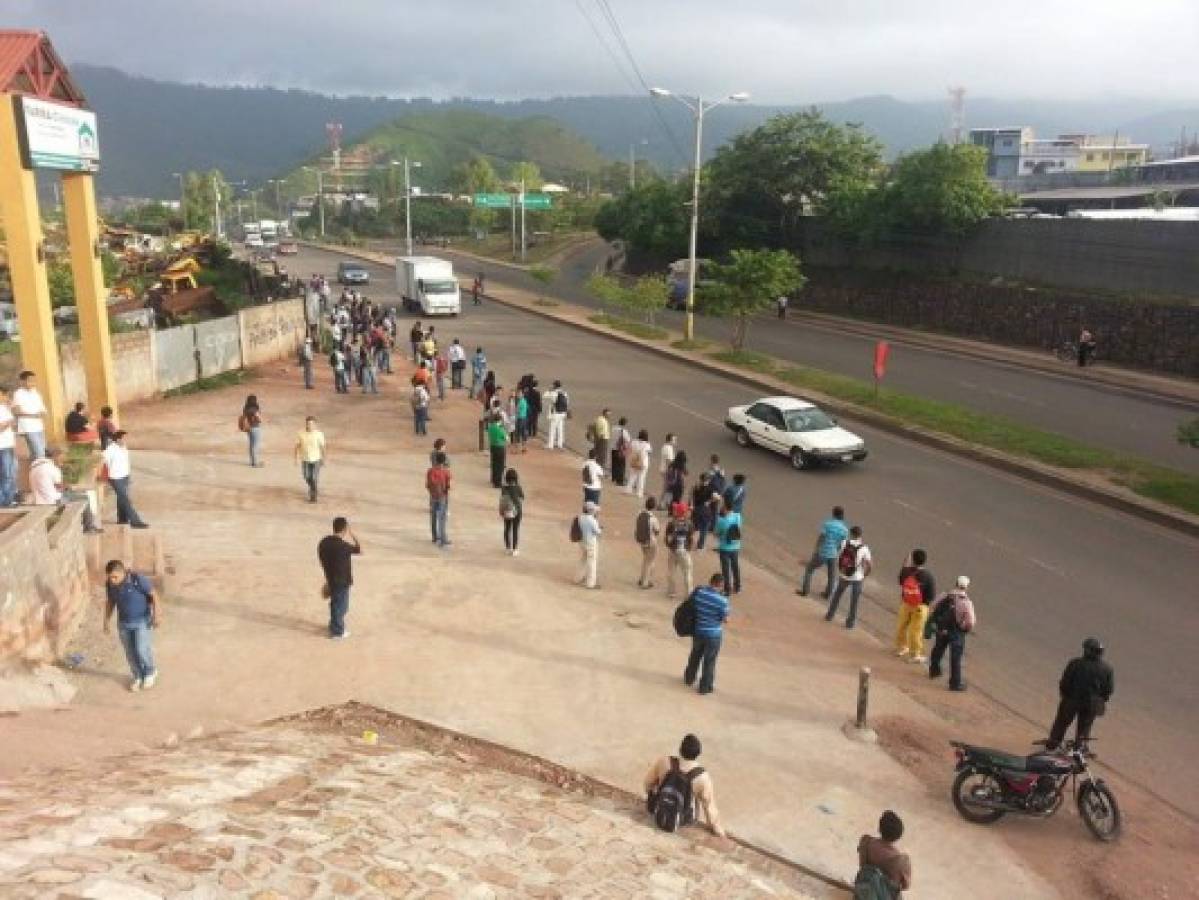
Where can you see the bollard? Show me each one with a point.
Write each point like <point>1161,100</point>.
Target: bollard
<point>863,696</point>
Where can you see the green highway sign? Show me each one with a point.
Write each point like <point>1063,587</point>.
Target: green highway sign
<point>537,201</point>
<point>505,201</point>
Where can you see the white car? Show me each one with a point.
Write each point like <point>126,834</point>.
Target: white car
<point>795,428</point>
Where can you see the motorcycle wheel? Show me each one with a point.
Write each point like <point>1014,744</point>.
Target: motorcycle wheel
<point>965,786</point>
<point>1099,810</point>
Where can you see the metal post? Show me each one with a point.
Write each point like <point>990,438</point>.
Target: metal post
<point>632,166</point>
<point>182,199</point>
<point>689,324</point>
<point>863,696</point>
<point>512,216</point>
<point>407,206</point>
<point>320,199</point>
<point>523,242</point>
<point>216,207</point>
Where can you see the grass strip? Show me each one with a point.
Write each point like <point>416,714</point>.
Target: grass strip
<point>636,329</point>
<point>1166,485</point>
<point>210,383</point>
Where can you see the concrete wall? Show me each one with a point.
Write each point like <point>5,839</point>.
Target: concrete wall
<point>133,368</point>
<point>175,357</point>
<point>218,342</point>
<point>44,589</point>
<point>271,331</point>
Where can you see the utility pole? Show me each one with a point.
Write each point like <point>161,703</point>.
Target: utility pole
<point>182,197</point>
<point>512,215</point>
<point>523,243</point>
<point>320,199</point>
<point>408,205</point>
<point>216,207</point>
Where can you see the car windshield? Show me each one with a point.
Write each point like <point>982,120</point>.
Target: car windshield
<point>353,270</point>
<point>808,420</point>
<point>441,287</point>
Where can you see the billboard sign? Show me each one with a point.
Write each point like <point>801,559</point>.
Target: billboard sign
<point>59,137</point>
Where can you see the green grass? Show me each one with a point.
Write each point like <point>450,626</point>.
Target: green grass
<point>683,344</point>
<point>211,383</point>
<point>1160,483</point>
<point>78,461</point>
<point>636,329</point>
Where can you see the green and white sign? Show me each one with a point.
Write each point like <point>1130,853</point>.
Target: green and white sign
<point>504,201</point>
<point>60,137</point>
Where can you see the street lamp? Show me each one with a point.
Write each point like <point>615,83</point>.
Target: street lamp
<point>698,107</point>
<point>320,196</point>
<point>409,165</point>
<point>182,198</point>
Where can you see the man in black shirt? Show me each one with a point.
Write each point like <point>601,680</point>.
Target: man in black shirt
<point>334,552</point>
<point>1086,686</point>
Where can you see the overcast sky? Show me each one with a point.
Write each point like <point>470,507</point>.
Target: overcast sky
<point>782,51</point>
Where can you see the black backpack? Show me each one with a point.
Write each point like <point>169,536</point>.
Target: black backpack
<point>945,618</point>
<point>684,617</point>
<point>576,530</point>
<point>733,532</point>
<point>561,402</point>
<point>642,533</point>
<point>671,803</point>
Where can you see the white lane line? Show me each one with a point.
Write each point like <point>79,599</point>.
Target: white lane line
<point>689,412</point>
<point>916,509</point>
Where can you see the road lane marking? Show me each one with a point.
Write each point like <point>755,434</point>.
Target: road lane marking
<point>689,412</point>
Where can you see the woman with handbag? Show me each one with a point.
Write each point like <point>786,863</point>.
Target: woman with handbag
<point>250,422</point>
<point>512,502</point>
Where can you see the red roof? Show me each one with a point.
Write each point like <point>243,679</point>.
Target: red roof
<point>29,65</point>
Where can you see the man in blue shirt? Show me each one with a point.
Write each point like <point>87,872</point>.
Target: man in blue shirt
<point>728,535</point>
<point>137,606</point>
<point>833,533</point>
<point>478,371</point>
<point>711,612</point>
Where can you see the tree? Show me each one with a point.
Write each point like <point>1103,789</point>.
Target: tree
<point>476,176</point>
<point>529,173</point>
<point>644,297</point>
<point>749,284</point>
<point>941,190</point>
<point>199,198</point>
<point>761,183</point>
<point>1188,433</point>
<point>652,220</point>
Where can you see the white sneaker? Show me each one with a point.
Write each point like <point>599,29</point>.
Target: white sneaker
<point>516,553</point>
<point>149,681</point>
<point>135,685</point>
<point>901,653</point>
<point>919,659</point>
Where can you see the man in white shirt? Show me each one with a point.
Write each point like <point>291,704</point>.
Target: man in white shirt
<point>593,479</point>
<point>666,457</point>
<point>116,462</point>
<point>30,410</point>
<point>457,364</point>
<point>8,453</point>
<point>46,486</point>
<point>556,404</point>
<point>589,528</point>
<point>640,454</point>
<point>853,565</point>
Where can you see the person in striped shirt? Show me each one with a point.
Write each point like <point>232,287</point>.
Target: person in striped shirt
<point>711,612</point>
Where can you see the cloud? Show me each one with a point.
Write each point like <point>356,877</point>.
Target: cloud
<point>782,51</point>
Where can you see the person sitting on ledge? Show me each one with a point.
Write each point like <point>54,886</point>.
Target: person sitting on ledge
<point>79,429</point>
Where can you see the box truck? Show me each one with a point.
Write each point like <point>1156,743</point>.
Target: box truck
<point>427,285</point>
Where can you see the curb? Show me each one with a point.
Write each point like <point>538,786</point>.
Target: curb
<point>1041,474</point>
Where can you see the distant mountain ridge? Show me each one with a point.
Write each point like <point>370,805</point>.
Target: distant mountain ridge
<point>149,128</point>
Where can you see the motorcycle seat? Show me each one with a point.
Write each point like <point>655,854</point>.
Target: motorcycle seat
<point>1047,764</point>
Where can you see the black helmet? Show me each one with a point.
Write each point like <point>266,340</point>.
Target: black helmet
<point>1092,647</point>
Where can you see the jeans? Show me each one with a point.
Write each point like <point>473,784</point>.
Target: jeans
<point>512,532</point>
<point>522,430</point>
<point>499,458</point>
<point>339,605</point>
<point>956,642</point>
<point>456,375</point>
<point>383,360</point>
<point>135,639</point>
<point>420,418</point>
<point>441,387</point>
<point>415,345</point>
<point>730,568</point>
<point>702,527</point>
<point>476,382</point>
<point>255,435</point>
<point>35,442</point>
<point>8,476</point>
<point>370,381</point>
<point>437,513</point>
<point>830,566</point>
<point>306,365</point>
<point>704,650</point>
<point>126,514</point>
<point>340,383</point>
<point>855,594</point>
<point>312,474</point>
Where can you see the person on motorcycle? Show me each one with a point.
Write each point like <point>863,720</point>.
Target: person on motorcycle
<point>1086,685</point>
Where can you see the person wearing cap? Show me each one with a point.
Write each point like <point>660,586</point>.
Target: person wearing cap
<point>589,528</point>
<point>118,470</point>
<point>306,362</point>
<point>679,533</point>
<point>1085,687</point>
<point>951,617</point>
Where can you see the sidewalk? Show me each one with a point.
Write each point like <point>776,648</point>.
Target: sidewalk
<point>510,651</point>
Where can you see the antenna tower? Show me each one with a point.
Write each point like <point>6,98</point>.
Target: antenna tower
<point>957,114</point>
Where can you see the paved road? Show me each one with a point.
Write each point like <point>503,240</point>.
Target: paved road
<point>1096,414</point>
<point>1048,569</point>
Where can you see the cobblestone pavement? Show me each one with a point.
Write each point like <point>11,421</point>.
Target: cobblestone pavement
<point>303,809</point>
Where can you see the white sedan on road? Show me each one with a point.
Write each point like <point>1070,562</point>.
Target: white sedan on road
<point>795,428</point>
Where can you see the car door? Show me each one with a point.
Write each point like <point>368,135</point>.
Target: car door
<point>776,430</point>
<point>761,421</point>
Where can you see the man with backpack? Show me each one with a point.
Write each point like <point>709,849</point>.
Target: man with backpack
<point>557,401</point>
<point>585,531</point>
<point>883,871</point>
<point>728,535</point>
<point>917,589</point>
<point>853,565</point>
<point>951,617</point>
<point>673,786</point>
<point>833,534</point>
<point>711,609</point>
<point>645,532</point>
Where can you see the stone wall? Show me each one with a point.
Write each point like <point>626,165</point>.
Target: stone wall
<point>44,589</point>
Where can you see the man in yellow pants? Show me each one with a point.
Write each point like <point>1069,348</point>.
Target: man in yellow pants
<point>917,589</point>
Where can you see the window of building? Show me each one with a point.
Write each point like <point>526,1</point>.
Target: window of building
<point>1090,157</point>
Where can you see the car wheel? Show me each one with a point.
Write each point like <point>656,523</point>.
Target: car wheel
<point>799,459</point>
<point>743,438</point>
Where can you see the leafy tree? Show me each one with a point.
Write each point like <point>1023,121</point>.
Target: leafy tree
<point>749,284</point>
<point>199,198</point>
<point>761,183</point>
<point>529,172</point>
<point>1188,433</point>
<point>62,284</point>
<point>476,176</point>
<point>652,219</point>
<point>643,297</point>
<point>941,190</point>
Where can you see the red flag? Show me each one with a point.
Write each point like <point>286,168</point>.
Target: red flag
<point>881,349</point>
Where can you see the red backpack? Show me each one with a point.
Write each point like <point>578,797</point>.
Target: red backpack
<point>847,561</point>
<point>909,590</point>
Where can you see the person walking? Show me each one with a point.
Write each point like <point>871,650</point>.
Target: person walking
<point>1086,686</point>
<point>683,775</point>
<point>679,531</point>
<point>370,371</point>
<point>420,408</point>
<point>478,369</point>
<point>118,471</point>
<point>522,421</point>
<point>589,531</point>
<point>476,292</point>
<point>557,401</point>
<point>497,443</point>
<point>8,452</point>
<point>735,493</point>
<point>917,589</point>
<point>711,612</point>
<point>512,510</point>
<point>441,368</point>
<point>853,565</point>
<point>781,305</point>
<point>311,454</point>
<point>646,530</point>
<point>728,533</point>
<point>30,411</point>
<point>665,459</point>
<point>951,617</point>
<point>833,534</point>
<point>1086,347</point>
<point>457,364</point>
<point>593,478</point>
<point>676,477</point>
<point>306,356</point>
<point>533,395</point>
<point>341,379</point>
<point>880,860</point>
<point>639,456</point>
<point>416,337</point>
<point>599,432</point>
<point>621,441</point>
<point>437,484</point>
<point>334,553</point>
<point>138,611</point>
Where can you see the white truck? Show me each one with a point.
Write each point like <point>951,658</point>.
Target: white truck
<point>427,285</point>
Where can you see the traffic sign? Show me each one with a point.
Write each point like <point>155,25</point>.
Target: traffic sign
<point>537,201</point>
<point>504,201</point>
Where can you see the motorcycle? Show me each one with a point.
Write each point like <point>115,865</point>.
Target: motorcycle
<point>992,783</point>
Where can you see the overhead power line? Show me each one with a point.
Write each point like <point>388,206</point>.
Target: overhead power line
<point>616,61</point>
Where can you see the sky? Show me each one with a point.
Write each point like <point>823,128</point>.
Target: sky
<point>780,51</point>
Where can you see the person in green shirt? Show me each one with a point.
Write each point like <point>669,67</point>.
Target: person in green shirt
<point>522,420</point>
<point>497,440</point>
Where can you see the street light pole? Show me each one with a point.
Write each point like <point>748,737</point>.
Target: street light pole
<point>523,242</point>
<point>216,206</point>
<point>408,205</point>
